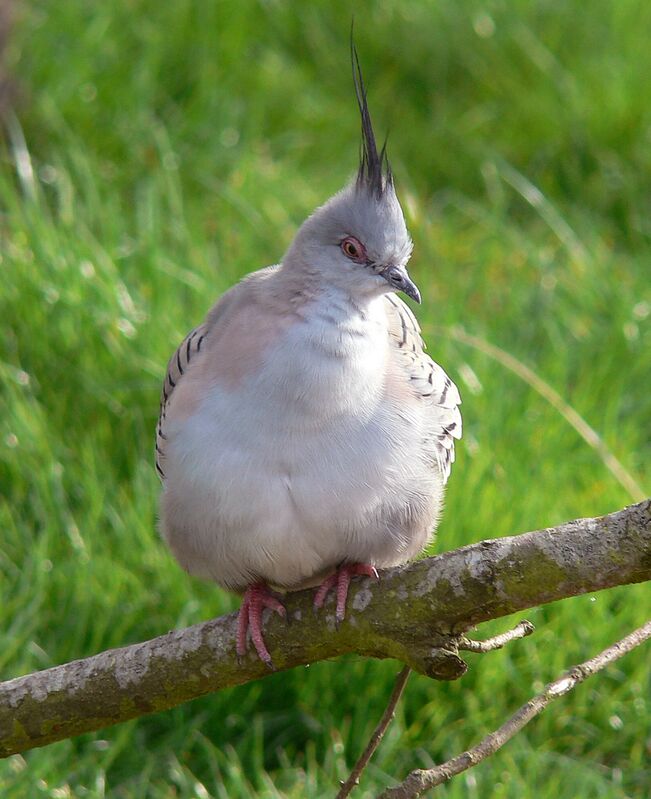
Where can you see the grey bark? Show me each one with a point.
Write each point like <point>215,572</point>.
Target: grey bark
<point>416,614</point>
<point>422,780</point>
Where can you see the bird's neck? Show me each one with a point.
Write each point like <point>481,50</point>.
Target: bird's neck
<point>332,355</point>
<point>335,307</point>
<point>304,291</point>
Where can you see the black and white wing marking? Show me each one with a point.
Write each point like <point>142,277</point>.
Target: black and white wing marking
<point>189,348</point>
<point>429,381</point>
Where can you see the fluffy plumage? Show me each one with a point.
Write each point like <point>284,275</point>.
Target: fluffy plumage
<point>302,425</point>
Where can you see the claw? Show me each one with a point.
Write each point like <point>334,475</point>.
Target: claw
<point>257,597</point>
<point>322,591</point>
<point>340,579</point>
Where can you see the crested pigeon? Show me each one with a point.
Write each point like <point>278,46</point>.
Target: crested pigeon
<point>304,435</point>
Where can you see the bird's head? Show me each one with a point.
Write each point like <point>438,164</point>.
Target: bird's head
<point>358,241</point>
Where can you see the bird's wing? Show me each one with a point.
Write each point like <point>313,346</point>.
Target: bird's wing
<point>188,350</point>
<point>196,345</point>
<point>428,381</point>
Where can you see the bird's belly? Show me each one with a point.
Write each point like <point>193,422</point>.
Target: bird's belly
<point>242,503</point>
<point>304,467</point>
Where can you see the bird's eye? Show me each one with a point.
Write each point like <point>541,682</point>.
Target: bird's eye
<point>353,249</point>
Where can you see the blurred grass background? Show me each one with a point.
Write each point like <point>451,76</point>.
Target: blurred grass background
<point>159,151</point>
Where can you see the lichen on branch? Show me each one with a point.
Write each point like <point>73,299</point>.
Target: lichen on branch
<point>416,614</point>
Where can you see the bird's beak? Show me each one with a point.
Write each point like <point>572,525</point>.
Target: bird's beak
<point>398,278</point>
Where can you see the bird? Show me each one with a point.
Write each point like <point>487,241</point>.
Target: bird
<point>304,435</point>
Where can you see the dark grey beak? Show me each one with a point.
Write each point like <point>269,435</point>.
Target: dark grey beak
<point>398,278</point>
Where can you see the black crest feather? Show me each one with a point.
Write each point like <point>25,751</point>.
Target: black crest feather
<point>374,174</point>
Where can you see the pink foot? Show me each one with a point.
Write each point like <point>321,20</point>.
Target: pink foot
<point>257,597</point>
<point>341,580</point>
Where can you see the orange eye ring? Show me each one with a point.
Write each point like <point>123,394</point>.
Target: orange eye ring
<point>352,248</point>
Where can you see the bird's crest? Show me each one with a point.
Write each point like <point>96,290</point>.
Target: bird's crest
<point>374,174</point>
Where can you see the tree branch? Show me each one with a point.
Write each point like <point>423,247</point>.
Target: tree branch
<point>422,780</point>
<point>521,630</point>
<point>415,614</point>
<point>378,734</point>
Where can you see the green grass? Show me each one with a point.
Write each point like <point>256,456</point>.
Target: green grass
<point>162,150</point>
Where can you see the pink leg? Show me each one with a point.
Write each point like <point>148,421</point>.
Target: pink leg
<point>257,597</point>
<point>324,589</point>
<point>341,580</point>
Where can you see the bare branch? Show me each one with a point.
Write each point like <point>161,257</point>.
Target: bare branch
<point>413,614</point>
<point>423,780</point>
<point>521,630</point>
<point>378,734</point>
